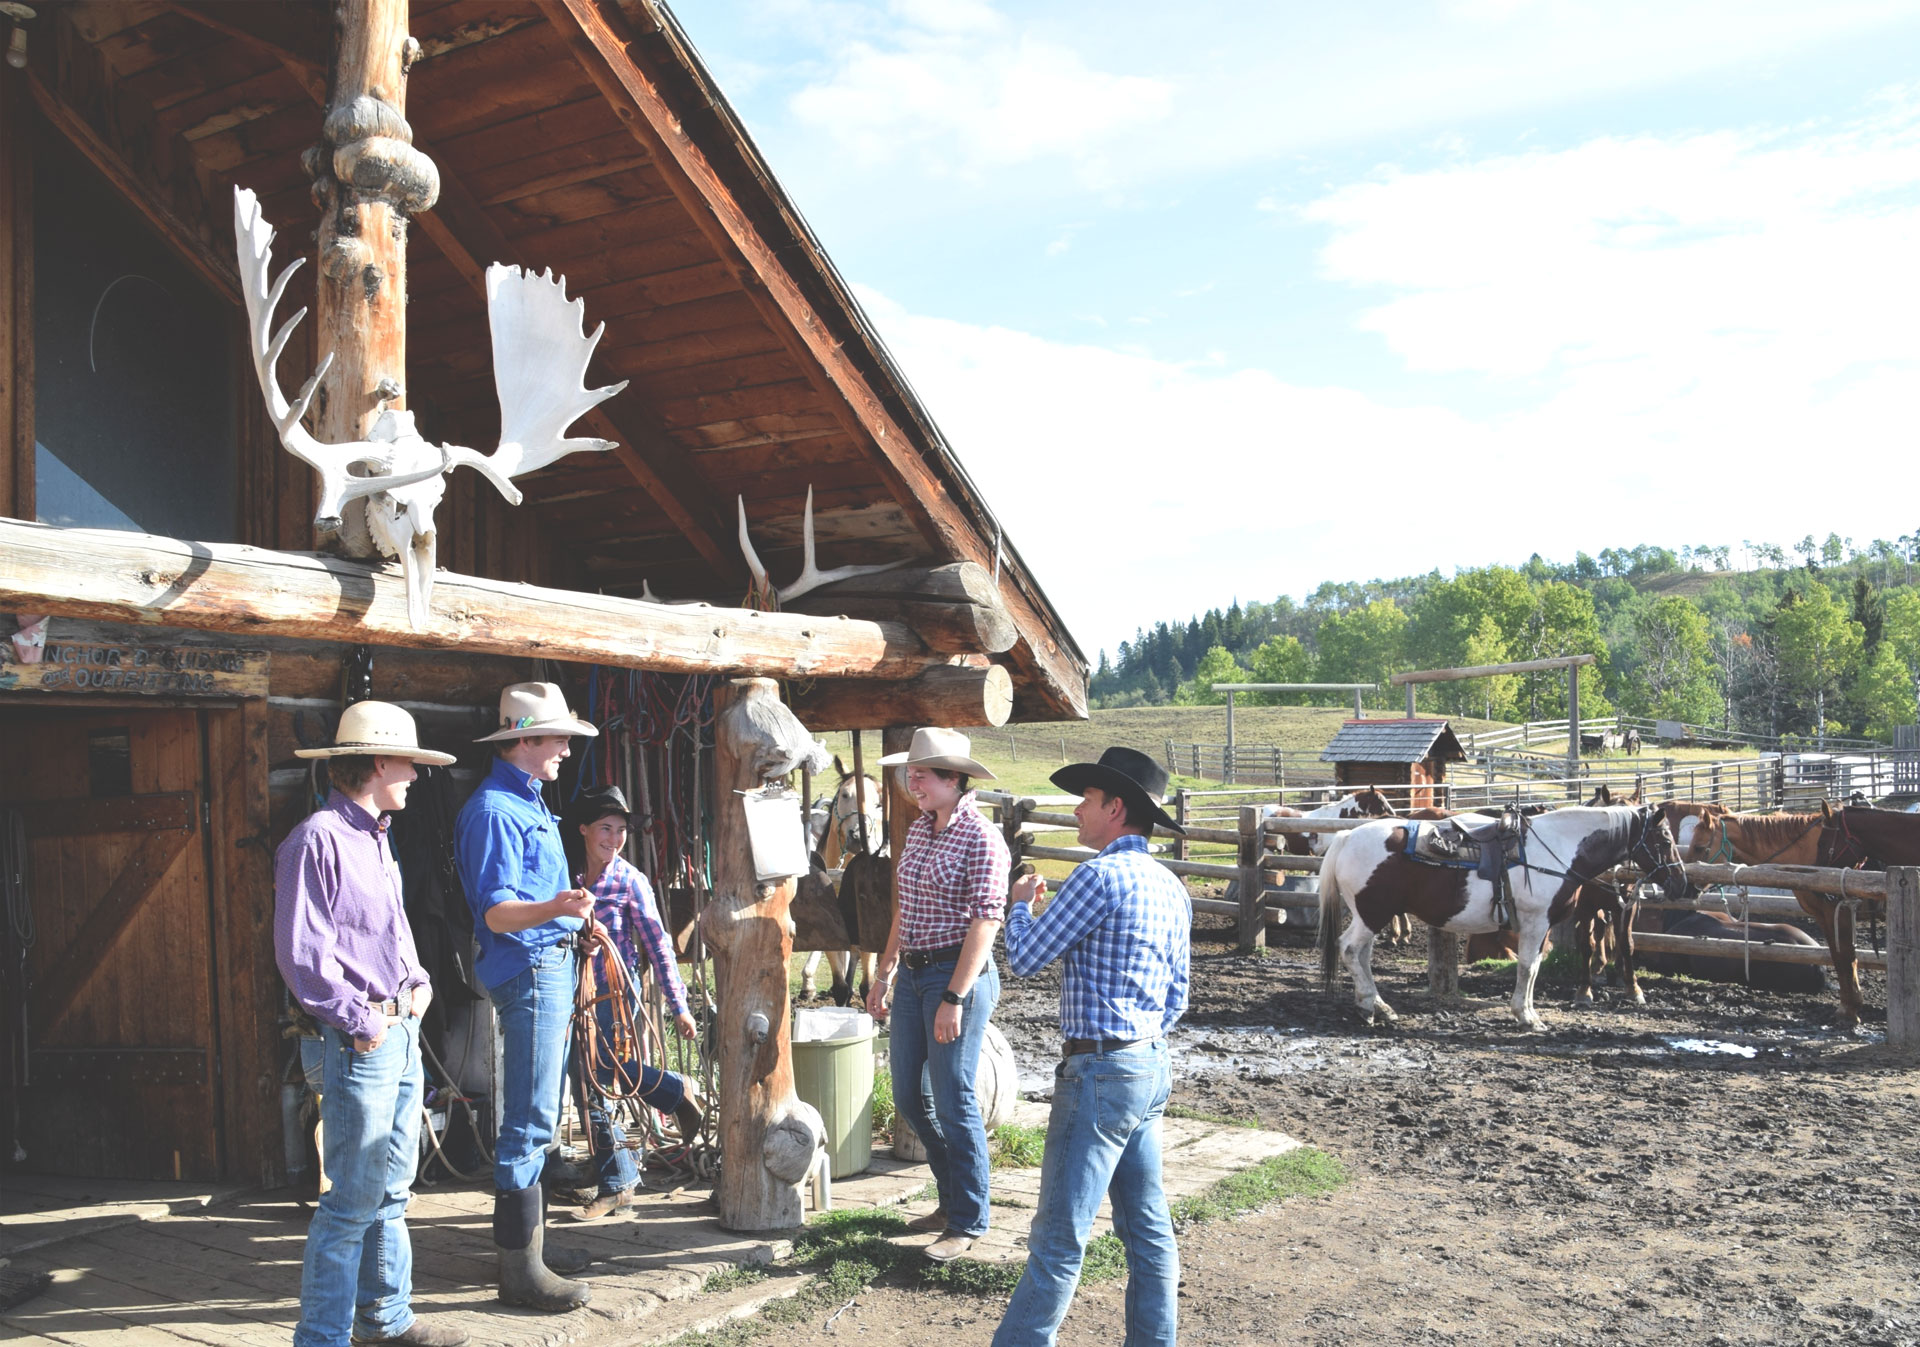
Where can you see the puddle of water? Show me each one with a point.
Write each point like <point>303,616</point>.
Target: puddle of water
<point>1711,1047</point>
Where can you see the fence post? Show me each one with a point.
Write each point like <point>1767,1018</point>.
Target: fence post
<point>1180,817</point>
<point>1903,958</point>
<point>1443,962</point>
<point>1012,815</point>
<point>1713,785</point>
<point>1252,926</point>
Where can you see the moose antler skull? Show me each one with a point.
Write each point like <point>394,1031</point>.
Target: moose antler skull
<point>540,358</point>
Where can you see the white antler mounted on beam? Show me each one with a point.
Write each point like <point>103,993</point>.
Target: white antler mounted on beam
<point>540,353</point>
<point>811,577</point>
<point>332,461</point>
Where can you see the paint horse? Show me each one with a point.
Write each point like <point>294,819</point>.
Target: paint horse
<point>1362,804</point>
<point>1367,873</point>
<point>830,923</point>
<point>1823,839</point>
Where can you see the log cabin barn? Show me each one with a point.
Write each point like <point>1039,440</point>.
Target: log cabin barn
<point>1406,760</point>
<point>199,627</point>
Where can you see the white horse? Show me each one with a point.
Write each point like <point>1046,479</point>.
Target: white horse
<point>1366,872</point>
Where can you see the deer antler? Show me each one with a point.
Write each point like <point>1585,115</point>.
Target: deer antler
<point>811,576</point>
<point>540,357</point>
<point>254,237</point>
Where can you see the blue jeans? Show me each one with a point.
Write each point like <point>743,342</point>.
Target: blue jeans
<point>534,1007</point>
<point>1103,1139</point>
<point>659,1089</point>
<point>357,1276</point>
<point>933,1086</point>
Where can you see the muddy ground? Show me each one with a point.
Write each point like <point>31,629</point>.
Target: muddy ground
<point>1718,1166</point>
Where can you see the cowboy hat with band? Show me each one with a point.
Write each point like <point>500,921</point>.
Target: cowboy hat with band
<point>1126,773</point>
<point>941,751</point>
<point>379,730</point>
<point>528,710</point>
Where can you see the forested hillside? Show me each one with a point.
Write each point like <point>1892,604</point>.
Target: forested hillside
<point>1819,632</point>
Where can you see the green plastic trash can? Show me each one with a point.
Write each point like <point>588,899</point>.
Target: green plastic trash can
<point>835,1074</point>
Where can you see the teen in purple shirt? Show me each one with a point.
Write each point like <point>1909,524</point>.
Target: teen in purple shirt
<point>343,945</point>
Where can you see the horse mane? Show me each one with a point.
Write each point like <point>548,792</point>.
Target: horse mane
<point>1762,834</point>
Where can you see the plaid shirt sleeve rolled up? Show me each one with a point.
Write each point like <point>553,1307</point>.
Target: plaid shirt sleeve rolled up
<point>948,882</point>
<point>1123,926</point>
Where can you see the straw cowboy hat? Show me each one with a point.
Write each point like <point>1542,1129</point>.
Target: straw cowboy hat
<point>529,709</point>
<point>380,729</point>
<point>1125,772</point>
<point>942,750</point>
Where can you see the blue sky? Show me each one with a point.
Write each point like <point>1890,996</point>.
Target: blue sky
<point>1296,292</point>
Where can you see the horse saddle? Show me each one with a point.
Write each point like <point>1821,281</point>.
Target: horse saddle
<point>1488,846</point>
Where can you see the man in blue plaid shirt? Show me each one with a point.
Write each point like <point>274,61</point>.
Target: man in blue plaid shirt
<point>1122,926</point>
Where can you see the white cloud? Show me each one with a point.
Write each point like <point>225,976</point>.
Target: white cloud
<point>953,88</point>
<point>1702,337</point>
<point>1126,97</point>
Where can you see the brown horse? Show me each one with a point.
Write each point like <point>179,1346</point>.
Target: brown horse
<point>1793,839</point>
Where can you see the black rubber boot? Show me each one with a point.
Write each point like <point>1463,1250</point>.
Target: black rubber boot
<point>524,1278</point>
<point>562,1258</point>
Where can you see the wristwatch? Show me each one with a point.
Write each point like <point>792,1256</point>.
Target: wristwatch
<point>950,996</point>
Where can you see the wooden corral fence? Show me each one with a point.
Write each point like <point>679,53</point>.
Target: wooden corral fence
<point>1256,843</point>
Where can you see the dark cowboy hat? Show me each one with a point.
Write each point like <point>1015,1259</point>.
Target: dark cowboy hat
<point>1126,772</point>
<point>595,803</point>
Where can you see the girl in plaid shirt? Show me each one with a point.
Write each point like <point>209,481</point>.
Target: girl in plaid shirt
<point>952,880</point>
<point>623,903</point>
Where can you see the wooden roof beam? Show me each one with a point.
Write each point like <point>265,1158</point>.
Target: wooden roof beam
<point>600,41</point>
<point>460,228</point>
<point>112,576</point>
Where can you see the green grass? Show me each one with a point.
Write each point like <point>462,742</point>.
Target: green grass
<point>733,1279</point>
<point>1201,1115</point>
<point>883,1102</point>
<point>1302,1172</point>
<point>1016,1146</point>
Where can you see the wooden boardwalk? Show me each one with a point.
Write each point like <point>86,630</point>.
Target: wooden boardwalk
<point>166,1265</point>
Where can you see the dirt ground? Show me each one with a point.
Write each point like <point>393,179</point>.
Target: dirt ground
<point>1718,1166</point>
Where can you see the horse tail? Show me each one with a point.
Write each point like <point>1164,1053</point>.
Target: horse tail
<point>1330,904</point>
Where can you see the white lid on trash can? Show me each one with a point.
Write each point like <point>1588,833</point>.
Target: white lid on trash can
<point>823,1024</point>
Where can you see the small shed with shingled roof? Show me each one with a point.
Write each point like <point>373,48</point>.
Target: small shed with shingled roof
<point>1406,759</point>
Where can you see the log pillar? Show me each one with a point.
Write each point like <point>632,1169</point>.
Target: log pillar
<point>1903,959</point>
<point>367,180</point>
<point>768,1136</point>
<point>901,809</point>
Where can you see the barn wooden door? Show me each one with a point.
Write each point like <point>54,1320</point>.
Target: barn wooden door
<point>122,1063</point>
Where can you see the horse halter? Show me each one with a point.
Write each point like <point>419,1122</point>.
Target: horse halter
<point>1643,824</point>
<point>1849,852</point>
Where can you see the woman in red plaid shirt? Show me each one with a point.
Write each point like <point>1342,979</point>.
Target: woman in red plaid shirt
<point>952,878</point>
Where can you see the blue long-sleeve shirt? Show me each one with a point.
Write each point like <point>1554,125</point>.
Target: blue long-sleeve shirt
<point>1123,926</point>
<point>507,846</point>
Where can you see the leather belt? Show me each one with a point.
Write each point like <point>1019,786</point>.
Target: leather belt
<point>917,959</point>
<point>1074,1047</point>
<point>392,1010</point>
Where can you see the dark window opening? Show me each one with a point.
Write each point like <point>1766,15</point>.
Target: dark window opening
<point>133,388</point>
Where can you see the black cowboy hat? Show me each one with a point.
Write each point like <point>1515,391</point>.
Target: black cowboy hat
<point>1125,772</point>
<point>596,802</point>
